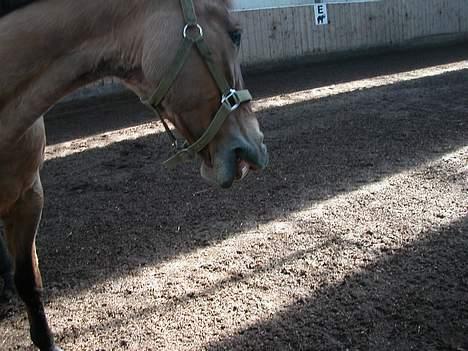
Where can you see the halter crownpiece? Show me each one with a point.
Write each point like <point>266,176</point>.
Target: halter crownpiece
<point>231,99</point>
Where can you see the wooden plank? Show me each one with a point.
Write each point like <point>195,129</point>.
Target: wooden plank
<point>261,22</point>
<point>396,24</point>
<point>367,24</point>
<point>342,28</point>
<point>360,27</point>
<point>330,29</point>
<point>303,28</point>
<point>452,15</point>
<point>357,24</point>
<point>424,20</point>
<point>387,21</point>
<point>376,19</point>
<point>432,18</point>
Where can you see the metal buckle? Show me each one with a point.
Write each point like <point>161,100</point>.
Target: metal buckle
<point>231,100</point>
<point>180,146</point>
<point>198,36</point>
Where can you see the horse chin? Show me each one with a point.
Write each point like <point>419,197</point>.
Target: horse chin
<point>223,178</point>
<point>217,176</point>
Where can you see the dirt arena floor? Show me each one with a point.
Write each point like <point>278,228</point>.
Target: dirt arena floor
<point>354,238</point>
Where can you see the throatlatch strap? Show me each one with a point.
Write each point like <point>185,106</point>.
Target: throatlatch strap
<point>157,111</point>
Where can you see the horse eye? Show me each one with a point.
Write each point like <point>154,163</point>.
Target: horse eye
<point>236,37</point>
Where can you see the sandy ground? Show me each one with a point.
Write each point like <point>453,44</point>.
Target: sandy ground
<point>355,238</point>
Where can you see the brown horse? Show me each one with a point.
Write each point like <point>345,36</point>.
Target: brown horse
<point>48,48</point>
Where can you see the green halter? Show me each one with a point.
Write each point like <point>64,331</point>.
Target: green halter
<point>231,99</point>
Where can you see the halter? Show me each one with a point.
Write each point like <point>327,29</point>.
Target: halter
<point>231,99</point>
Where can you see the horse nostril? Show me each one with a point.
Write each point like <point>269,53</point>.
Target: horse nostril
<point>240,154</point>
<point>256,157</point>
<point>246,154</point>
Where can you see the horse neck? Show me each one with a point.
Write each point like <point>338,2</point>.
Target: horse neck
<point>52,47</point>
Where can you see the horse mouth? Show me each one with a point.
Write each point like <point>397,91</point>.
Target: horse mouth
<point>242,170</point>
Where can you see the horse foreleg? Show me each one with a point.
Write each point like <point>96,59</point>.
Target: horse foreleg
<point>21,226</point>
<point>6,270</point>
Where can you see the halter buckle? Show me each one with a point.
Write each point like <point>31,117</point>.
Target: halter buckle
<point>231,100</point>
<point>193,36</point>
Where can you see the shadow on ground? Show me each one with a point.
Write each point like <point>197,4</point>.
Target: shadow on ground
<point>82,118</point>
<point>413,299</point>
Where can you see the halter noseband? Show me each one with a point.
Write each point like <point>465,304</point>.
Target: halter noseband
<point>231,99</point>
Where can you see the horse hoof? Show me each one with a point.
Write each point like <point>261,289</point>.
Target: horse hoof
<point>54,348</point>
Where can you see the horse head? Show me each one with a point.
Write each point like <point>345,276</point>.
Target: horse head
<point>205,78</point>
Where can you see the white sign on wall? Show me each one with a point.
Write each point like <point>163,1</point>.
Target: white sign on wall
<point>321,14</point>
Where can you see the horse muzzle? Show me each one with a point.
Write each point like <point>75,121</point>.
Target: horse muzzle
<point>235,163</point>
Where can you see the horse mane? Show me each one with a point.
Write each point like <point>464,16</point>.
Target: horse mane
<point>7,6</point>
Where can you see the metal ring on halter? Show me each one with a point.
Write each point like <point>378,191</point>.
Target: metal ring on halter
<point>193,25</point>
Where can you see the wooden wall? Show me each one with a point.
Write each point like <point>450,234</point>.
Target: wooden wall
<point>282,34</point>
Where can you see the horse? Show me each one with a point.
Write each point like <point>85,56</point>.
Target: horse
<point>179,57</point>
